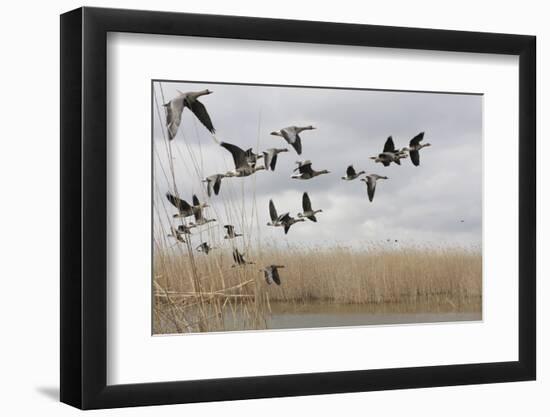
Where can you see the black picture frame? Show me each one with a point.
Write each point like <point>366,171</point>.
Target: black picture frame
<point>84,207</point>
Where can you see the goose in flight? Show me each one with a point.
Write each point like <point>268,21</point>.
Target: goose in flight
<point>242,167</point>
<point>271,274</point>
<point>308,213</point>
<point>291,135</point>
<point>414,148</point>
<point>176,234</point>
<point>306,172</point>
<point>199,218</point>
<point>287,220</point>
<point>283,220</point>
<point>230,232</point>
<point>183,229</point>
<point>270,157</point>
<point>213,182</point>
<point>252,157</point>
<point>389,154</point>
<point>370,180</point>
<point>174,109</point>
<point>184,208</point>
<point>239,259</point>
<point>275,218</point>
<point>351,174</point>
<point>204,247</point>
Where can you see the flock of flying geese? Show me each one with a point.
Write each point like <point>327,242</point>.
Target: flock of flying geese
<point>245,162</point>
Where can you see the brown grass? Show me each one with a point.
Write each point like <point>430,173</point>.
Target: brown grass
<point>372,275</point>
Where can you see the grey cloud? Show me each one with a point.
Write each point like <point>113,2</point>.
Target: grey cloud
<point>423,203</point>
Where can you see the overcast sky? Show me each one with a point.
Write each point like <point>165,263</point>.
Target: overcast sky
<point>422,205</point>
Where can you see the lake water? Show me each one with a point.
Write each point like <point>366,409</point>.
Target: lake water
<point>315,315</point>
<point>336,315</point>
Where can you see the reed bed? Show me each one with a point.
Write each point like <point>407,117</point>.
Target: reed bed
<point>432,278</point>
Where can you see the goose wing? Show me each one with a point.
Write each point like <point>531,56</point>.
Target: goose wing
<point>306,202</point>
<point>236,255</point>
<point>275,276</point>
<point>200,112</point>
<point>209,187</point>
<point>350,172</point>
<point>229,229</point>
<point>174,109</point>
<point>297,145</point>
<point>272,211</point>
<point>239,156</point>
<point>389,146</point>
<point>415,157</point>
<point>268,155</point>
<point>416,140</point>
<point>217,184</point>
<point>290,134</point>
<point>180,204</point>
<point>287,227</point>
<point>267,275</point>
<point>371,186</point>
<point>196,201</point>
<point>251,157</point>
<point>305,168</point>
<point>284,217</point>
<point>197,212</point>
<point>273,162</point>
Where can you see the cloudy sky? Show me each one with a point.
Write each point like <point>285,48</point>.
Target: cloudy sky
<point>416,205</point>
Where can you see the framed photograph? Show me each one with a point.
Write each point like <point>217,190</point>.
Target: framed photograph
<point>257,208</point>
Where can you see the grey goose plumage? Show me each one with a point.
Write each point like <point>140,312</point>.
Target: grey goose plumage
<point>292,136</point>
<point>174,109</point>
<point>370,180</point>
<point>306,172</point>
<point>308,211</point>
<point>242,167</point>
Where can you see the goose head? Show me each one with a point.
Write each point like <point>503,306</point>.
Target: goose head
<point>276,133</point>
<point>310,127</point>
<point>202,93</point>
<point>324,171</point>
